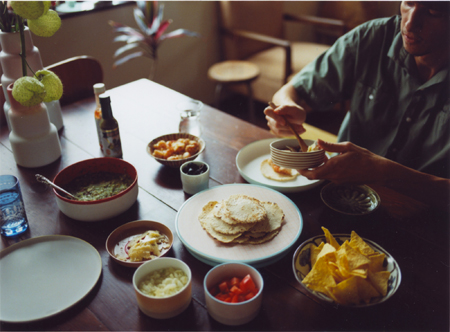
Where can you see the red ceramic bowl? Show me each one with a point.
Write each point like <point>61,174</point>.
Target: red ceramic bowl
<point>103,208</point>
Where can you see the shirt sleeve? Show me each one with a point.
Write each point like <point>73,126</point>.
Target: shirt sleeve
<point>331,78</point>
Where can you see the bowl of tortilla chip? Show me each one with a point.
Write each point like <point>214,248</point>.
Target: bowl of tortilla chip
<point>346,270</point>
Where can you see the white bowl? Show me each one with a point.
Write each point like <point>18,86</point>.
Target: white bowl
<point>103,208</point>
<point>232,313</point>
<point>165,307</point>
<point>301,266</point>
<point>295,160</point>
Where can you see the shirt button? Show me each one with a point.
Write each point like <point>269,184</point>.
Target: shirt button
<point>371,96</point>
<point>408,119</point>
<point>394,150</point>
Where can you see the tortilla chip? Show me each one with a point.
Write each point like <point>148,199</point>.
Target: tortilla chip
<point>377,262</point>
<point>380,280</point>
<point>346,292</point>
<point>319,278</point>
<point>358,243</point>
<point>330,238</point>
<point>315,252</point>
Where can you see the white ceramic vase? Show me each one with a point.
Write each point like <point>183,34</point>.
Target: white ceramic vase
<point>34,139</point>
<point>11,63</point>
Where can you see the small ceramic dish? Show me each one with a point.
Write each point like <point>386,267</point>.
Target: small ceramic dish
<point>175,136</point>
<point>117,240</point>
<point>281,156</point>
<point>232,313</point>
<point>103,208</point>
<point>355,200</point>
<point>162,307</point>
<point>301,266</point>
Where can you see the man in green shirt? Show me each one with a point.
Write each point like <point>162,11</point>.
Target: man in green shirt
<point>395,72</point>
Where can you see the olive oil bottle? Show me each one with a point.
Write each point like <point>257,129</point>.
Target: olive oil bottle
<point>110,140</point>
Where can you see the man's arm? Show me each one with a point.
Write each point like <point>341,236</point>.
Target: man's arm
<point>359,166</point>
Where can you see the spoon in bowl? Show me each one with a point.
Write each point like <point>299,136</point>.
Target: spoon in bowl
<point>43,179</point>
<point>302,143</point>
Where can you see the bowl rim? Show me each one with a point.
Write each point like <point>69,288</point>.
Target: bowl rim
<point>299,153</point>
<point>186,135</point>
<point>207,292</point>
<point>136,288</point>
<point>98,201</point>
<point>136,223</point>
<point>325,298</point>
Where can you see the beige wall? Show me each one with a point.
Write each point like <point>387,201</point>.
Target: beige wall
<point>183,62</point>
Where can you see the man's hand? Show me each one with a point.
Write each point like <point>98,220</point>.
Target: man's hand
<point>353,164</point>
<point>294,113</point>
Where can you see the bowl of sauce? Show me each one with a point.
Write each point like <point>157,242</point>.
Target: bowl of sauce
<point>104,188</point>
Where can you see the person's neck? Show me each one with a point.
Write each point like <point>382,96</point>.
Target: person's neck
<point>430,64</point>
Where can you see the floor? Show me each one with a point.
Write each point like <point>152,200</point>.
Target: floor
<point>237,105</point>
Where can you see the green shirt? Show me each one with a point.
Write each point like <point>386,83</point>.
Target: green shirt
<point>391,113</point>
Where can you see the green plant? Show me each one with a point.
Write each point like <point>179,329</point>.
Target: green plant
<point>152,32</point>
<point>42,21</point>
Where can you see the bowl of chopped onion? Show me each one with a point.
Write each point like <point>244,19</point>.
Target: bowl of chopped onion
<point>174,150</point>
<point>163,287</point>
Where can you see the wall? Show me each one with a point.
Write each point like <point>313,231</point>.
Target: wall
<point>183,62</point>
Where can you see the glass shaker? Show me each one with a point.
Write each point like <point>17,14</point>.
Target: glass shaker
<point>190,117</point>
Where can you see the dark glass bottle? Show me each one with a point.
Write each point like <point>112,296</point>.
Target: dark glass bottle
<point>110,140</point>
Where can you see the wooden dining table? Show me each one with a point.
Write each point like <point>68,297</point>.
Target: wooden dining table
<point>416,236</point>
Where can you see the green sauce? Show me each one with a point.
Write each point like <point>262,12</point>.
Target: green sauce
<point>95,186</point>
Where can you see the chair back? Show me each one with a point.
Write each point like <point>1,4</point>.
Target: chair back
<point>264,17</point>
<point>78,75</point>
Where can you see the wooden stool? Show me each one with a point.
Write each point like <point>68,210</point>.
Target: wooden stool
<point>234,72</point>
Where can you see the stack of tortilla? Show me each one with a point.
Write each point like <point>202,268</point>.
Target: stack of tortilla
<point>242,219</point>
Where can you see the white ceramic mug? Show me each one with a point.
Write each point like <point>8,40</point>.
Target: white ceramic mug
<point>193,184</point>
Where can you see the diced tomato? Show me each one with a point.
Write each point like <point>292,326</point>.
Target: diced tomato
<point>248,296</point>
<point>247,284</point>
<point>214,291</point>
<point>236,290</point>
<point>235,281</point>
<point>223,286</point>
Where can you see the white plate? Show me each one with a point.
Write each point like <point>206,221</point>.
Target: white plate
<point>248,162</point>
<point>43,276</point>
<point>202,246</point>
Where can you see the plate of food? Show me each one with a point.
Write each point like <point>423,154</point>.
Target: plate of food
<point>254,165</point>
<point>346,270</point>
<point>242,223</point>
<point>45,275</point>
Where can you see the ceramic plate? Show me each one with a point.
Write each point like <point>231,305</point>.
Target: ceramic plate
<point>122,234</point>
<point>201,245</point>
<point>301,267</point>
<point>46,275</point>
<point>248,162</point>
<point>354,200</point>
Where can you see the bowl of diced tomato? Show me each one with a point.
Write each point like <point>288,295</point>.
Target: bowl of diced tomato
<point>233,293</point>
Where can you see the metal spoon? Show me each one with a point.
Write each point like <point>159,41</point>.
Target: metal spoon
<point>301,142</point>
<point>43,179</point>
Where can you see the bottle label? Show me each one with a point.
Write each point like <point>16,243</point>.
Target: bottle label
<point>110,143</point>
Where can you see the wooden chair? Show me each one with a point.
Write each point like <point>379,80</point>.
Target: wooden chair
<point>78,76</point>
<point>254,31</point>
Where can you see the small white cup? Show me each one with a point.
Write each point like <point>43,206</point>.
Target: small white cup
<point>193,184</point>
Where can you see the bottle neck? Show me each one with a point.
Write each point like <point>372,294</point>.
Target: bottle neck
<point>105,103</point>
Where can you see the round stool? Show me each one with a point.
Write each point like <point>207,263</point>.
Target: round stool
<point>234,72</point>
